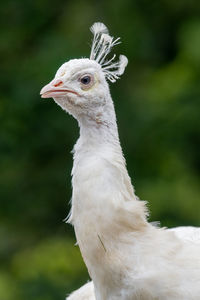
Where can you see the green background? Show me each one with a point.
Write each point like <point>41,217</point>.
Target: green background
<point>157,103</point>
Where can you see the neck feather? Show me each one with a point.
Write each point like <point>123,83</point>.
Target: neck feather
<point>99,146</point>
<point>99,125</point>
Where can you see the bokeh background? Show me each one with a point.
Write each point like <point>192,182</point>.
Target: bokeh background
<point>157,103</point>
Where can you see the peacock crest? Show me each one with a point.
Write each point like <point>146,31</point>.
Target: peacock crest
<point>102,45</point>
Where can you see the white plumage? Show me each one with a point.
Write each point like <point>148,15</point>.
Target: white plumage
<point>127,257</point>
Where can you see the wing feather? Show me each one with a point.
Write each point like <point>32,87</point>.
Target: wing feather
<point>187,233</point>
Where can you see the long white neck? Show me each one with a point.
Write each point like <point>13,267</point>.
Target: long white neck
<point>98,157</point>
<point>104,206</point>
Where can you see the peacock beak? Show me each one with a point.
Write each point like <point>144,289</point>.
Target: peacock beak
<point>55,89</point>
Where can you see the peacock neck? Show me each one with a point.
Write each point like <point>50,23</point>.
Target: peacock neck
<point>105,210</point>
<point>99,128</point>
<point>98,158</point>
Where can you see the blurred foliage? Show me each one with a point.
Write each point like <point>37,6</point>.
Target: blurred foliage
<point>157,103</point>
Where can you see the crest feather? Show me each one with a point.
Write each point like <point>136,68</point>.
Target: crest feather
<point>123,62</point>
<point>114,70</point>
<point>101,46</point>
<point>98,27</point>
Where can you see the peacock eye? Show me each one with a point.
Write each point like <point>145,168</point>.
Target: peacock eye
<point>86,79</point>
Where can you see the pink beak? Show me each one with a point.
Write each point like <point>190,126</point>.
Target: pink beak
<point>55,89</point>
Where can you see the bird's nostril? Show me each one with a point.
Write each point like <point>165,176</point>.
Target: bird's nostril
<point>58,83</point>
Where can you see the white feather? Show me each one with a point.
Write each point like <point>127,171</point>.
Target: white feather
<point>101,46</point>
<point>98,27</point>
<point>86,292</point>
<point>123,61</point>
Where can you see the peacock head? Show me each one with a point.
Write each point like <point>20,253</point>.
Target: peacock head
<point>80,85</point>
